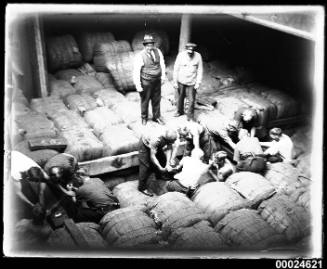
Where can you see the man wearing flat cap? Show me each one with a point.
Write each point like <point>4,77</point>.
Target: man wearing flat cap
<point>187,77</point>
<point>148,75</point>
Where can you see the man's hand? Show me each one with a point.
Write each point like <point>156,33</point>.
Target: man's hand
<point>139,89</point>
<point>196,86</point>
<point>175,85</point>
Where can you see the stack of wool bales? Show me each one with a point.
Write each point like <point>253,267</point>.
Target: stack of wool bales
<point>88,40</point>
<point>86,84</point>
<point>80,103</point>
<point>63,52</point>
<point>68,74</point>
<point>106,80</point>
<point>130,228</point>
<point>109,97</point>
<point>245,229</point>
<point>217,199</point>
<point>118,139</point>
<point>60,88</point>
<point>128,194</point>
<point>183,225</point>
<point>103,53</point>
<point>49,106</point>
<point>286,217</point>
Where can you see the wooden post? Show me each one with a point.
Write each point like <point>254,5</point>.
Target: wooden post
<point>185,32</point>
<point>41,73</point>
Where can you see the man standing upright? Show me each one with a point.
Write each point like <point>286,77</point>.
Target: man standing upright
<point>148,75</point>
<point>187,78</point>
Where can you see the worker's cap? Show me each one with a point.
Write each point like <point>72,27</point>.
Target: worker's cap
<point>190,45</point>
<point>275,131</point>
<point>148,39</point>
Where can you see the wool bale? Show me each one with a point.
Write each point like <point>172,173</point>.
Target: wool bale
<point>139,129</point>
<point>121,68</point>
<point>253,186</point>
<point>100,118</point>
<point>92,234</point>
<point>112,182</point>
<point>49,106</point>
<point>62,52</point>
<point>215,122</point>
<point>105,79</point>
<point>61,88</point>
<point>128,194</point>
<point>129,111</point>
<point>129,227</point>
<point>68,74</point>
<point>161,38</point>
<point>216,199</point>
<point>61,239</point>
<point>301,196</point>
<point>245,229</point>
<point>229,105</point>
<point>36,125</point>
<point>41,156</point>
<point>166,105</point>
<point>174,210</point>
<point>87,84</point>
<point>281,175</point>
<point>88,40</point>
<point>87,69</point>
<point>167,89</point>
<point>200,236</point>
<point>118,140</point>
<point>104,51</point>
<point>286,217</point>
<point>80,103</point>
<point>301,139</point>
<point>109,97</point>
<point>69,120</point>
<point>83,144</point>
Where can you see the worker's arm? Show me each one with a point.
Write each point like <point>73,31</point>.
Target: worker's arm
<point>43,185</point>
<point>69,193</point>
<point>174,152</point>
<point>236,157</point>
<point>168,153</point>
<point>199,73</point>
<point>155,160</point>
<point>138,63</point>
<point>252,132</point>
<point>196,139</point>
<point>18,187</point>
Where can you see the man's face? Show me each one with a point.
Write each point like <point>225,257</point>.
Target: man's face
<point>190,51</point>
<point>275,137</point>
<point>56,174</point>
<point>247,116</point>
<point>149,47</point>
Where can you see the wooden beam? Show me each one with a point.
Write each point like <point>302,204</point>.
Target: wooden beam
<point>41,67</point>
<point>185,31</point>
<point>116,163</point>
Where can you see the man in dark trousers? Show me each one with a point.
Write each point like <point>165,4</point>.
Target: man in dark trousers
<point>187,77</point>
<point>148,75</point>
<point>155,154</point>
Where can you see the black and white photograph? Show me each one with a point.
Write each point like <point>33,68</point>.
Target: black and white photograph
<point>164,131</point>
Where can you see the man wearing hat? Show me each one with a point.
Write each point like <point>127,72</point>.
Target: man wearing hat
<point>187,77</point>
<point>148,75</point>
<point>222,167</point>
<point>280,149</point>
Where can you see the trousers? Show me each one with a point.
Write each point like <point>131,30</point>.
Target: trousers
<point>189,92</point>
<point>151,92</point>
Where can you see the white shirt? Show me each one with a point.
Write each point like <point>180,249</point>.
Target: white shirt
<point>188,71</point>
<point>20,163</point>
<point>284,147</point>
<point>192,170</point>
<point>138,63</point>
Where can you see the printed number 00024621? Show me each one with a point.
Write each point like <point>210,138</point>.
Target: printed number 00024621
<point>299,263</point>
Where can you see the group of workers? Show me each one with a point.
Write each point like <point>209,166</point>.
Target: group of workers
<point>89,199</point>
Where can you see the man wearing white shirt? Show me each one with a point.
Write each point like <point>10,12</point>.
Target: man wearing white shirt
<point>148,75</point>
<point>187,77</point>
<point>280,149</point>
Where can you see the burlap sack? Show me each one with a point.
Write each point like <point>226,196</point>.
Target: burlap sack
<point>286,216</point>
<point>217,199</point>
<point>245,229</point>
